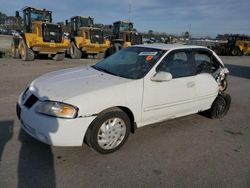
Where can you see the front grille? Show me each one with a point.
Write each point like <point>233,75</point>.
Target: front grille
<point>31,101</point>
<point>96,36</point>
<point>52,33</point>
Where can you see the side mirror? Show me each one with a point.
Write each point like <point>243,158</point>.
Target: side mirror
<point>17,14</point>
<point>162,77</point>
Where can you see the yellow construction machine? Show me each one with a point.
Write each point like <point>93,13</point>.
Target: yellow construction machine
<point>236,45</point>
<point>85,39</point>
<point>39,36</point>
<point>123,36</point>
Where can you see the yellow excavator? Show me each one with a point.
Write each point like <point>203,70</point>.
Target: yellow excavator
<point>85,39</point>
<point>123,36</point>
<point>39,36</point>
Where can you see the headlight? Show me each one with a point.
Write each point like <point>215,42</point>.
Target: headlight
<point>57,109</point>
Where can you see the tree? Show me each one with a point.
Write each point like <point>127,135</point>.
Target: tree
<point>150,33</point>
<point>2,18</point>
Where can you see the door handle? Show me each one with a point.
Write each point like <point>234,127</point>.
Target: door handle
<point>190,84</point>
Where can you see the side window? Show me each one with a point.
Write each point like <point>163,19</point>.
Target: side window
<point>204,63</point>
<point>177,64</point>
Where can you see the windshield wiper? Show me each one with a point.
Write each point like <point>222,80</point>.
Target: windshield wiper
<point>104,70</point>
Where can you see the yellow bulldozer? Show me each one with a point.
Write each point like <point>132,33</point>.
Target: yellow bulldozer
<point>123,35</point>
<point>39,36</point>
<point>85,39</point>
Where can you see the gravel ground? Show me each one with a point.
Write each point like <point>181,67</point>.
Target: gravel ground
<point>191,151</point>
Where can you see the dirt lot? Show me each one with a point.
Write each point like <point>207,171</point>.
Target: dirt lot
<point>192,151</point>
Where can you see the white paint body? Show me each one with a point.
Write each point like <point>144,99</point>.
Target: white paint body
<point>93,91</point>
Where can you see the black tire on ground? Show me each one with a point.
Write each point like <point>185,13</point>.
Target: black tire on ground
<point>236,51</point>
<point>59,57</point>
<point>26,53</point>
<point>14,51</point>
<point>75,53</point>
<point>85,55</point>
<point>91,136</point>
<point>117,47</point>
<point>107,53</point>
<point>100,55</point>
<point>110,51</point>
<point>220,106</point>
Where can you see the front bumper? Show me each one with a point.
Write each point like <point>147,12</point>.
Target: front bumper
<point>51,130</point>
<point>95,48</point>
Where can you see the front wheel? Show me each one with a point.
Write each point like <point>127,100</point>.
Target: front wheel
<point>75,53</point>
<point>236,51</point>
<point>108,132</point>
<point>220,106</point>
<point>26,53</point>
<point>59,57</point>
<point>118,47</point>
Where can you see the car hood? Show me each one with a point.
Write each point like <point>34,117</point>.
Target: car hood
<point>64,84</point>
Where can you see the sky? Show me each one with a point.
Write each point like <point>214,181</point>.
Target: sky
<point>203,18</point>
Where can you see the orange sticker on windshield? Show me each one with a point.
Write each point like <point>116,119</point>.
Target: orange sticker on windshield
<point>149,57</point>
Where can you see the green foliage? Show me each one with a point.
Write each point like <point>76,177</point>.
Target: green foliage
<point>10,22</point>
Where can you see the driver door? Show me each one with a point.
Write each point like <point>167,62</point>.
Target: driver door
<point>169,99</point>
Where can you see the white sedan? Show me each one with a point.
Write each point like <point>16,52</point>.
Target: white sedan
<point>136,86</point>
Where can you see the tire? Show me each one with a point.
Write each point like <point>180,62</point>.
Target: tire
<point>220,106</point>
<point>103,132</point>
<point>85,55</point>
<point>236,52</point>
<point>14,51</point>
<point>110,51</point>
<point>117,47</point>
<point>75,53</point>
<point>26,53</point>
<point>59,57</point>
<point>100,55</point>
<point>107,53</point>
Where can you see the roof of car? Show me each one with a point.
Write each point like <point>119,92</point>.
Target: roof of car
<point>163,46</point>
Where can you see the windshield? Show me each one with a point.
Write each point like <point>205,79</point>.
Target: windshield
<point>85,22</point>
<point>132,63</point>
<point>40,16</point>
<point>125,26</point>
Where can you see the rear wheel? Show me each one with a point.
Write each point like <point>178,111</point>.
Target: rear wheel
<point>14,50</point>
<point>26,53</point>
<point>75,53</point>
<point>108,132</point>
<point>236,51</point>
<point>59,57</point>
<point>220,106</point>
